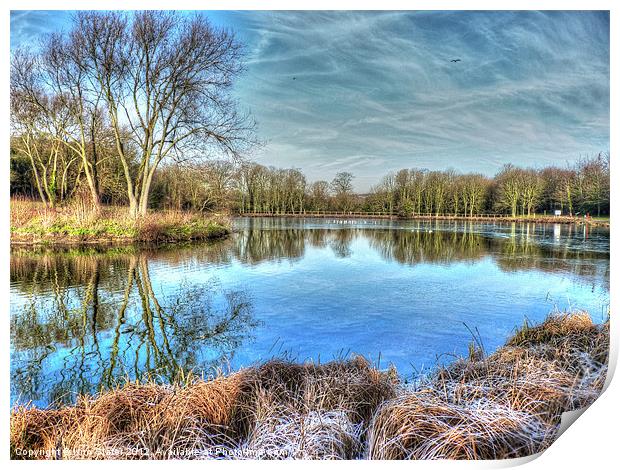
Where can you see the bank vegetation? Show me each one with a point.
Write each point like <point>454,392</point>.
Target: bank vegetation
<point>503,405</point>
<point>77,223</point>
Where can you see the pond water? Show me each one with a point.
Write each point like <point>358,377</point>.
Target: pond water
<point>410,294</point>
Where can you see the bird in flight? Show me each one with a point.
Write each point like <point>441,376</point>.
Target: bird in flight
<point>455,60</point>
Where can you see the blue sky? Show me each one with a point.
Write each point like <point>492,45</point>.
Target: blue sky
<point>376,91</point>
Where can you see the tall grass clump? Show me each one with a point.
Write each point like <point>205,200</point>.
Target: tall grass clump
<point>424,425</point>
<point>233,416</point>
<point>504,405</point>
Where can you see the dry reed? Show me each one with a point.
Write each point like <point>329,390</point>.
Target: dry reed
<point>505,405</point>
<point>423,425</point>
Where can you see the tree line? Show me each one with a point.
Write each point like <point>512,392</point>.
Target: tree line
<point>574,190</point>
<point>249,187</point>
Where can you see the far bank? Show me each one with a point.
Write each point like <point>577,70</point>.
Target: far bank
<point>540,219</point>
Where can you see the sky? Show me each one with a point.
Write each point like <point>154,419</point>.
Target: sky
<point>375,92</point>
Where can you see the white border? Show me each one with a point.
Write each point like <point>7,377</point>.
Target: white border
<point>590,443</point>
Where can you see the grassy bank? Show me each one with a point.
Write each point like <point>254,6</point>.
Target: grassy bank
<point>32,223</point>
<point>505,405</point>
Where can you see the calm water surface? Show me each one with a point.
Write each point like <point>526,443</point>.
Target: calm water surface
<point>402,293</point>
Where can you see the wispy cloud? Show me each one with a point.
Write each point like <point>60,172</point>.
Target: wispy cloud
<point>376,91</point>
<point>29,27</point>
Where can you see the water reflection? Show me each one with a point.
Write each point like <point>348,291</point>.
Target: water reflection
<point>81,320</point>
<point>527,246</point>
<point>90,319</point>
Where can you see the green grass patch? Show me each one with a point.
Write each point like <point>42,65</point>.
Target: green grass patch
<point>112,225</point>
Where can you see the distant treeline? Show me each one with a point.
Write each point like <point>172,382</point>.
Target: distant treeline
<point>253,188</point>
<point>578,189</point>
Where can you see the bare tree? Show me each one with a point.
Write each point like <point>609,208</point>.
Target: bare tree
<point>474,193</point>
<point>39,147</point>
<point>51,83</point>
<point>319,195</point>
<point>593,183</point>
<point>165,80</point>
<point>508,189</point>
<point>342,186</point>
<point>531,188</point>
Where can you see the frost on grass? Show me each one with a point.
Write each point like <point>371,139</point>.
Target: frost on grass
<point>505,405</point>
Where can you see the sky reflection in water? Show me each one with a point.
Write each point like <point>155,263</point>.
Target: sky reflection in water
<point>405,293</point>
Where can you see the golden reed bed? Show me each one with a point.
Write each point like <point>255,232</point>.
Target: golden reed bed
<point>505,405</point>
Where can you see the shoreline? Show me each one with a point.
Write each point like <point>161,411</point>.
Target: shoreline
<point>219,233</point>
<point>504,405</point>
<point>34,224</point>
<point>506,219</point>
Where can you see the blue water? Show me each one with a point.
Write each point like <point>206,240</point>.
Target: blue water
<point>409,294</point>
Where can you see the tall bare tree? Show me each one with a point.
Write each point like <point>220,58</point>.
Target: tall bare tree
<point>51,82</point>
<point>31,140</point>
<point>165,81</point>
<point>342,186</point>
<point>508,189</point>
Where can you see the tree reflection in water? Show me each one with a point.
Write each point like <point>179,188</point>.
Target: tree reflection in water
<point>83,320</point>
<point>91,321</point>
<point>513,246</point>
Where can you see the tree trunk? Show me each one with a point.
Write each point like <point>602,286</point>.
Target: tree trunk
<point>94,150</point>
<point>91,186</point>
<point>144,195</point>
<point>133,206</point>
<point>38,181</point>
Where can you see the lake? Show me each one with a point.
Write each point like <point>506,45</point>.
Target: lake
<point>407,293</point>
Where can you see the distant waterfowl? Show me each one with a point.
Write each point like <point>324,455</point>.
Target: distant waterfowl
<point>455,60</point>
